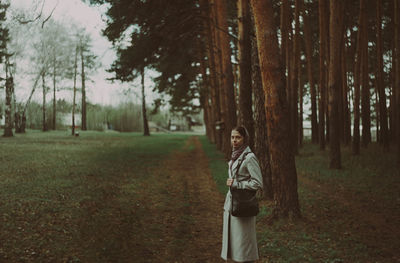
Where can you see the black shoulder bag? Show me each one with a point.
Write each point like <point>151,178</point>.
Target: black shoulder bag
<point>244,201</point>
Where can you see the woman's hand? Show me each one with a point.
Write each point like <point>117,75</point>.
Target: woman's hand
<point>229,182</point>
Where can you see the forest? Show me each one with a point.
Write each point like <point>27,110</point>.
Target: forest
<point>270,66</point>
<point>280,68</point>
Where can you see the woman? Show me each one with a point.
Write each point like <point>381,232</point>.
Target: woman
<point>239,241</point>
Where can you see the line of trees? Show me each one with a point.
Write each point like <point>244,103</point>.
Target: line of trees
<point>44,50</point>
<point>259,62</point>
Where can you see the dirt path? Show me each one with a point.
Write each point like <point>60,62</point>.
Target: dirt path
<point>183,222</point>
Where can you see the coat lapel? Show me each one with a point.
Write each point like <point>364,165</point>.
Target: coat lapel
<point>239,160</point>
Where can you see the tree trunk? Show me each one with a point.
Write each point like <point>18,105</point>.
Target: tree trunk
<point>383,131</point>
<point>213,80</point>
<point>322,75</point>
<point>205,83</point>
<point>23,115</point>
<point>261,148</point>
<point>283,167</point>
<point>397,77</point>
<point>356,104</point>
<point>8,132</point>
<point>74,97</point>
<point>54,94</point>
<point>308,45</point>
<point>335,47</point>
<point>245,91</point>
<point>346,112</point>
<point>228,102</point>
<point>301,111</point>
<point>44,121</point>
<point>214,44</point>
<point>365,90</point>
<point>146,130</point>
<point>83,76</point>
<point>285,13</point>
<point>294,82</point>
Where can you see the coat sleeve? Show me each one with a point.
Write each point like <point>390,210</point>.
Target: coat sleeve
<point>255,181</point>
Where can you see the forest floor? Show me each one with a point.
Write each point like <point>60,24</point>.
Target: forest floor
<point>128,198</point>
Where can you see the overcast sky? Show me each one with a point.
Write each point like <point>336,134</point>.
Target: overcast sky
<point>89,17</point>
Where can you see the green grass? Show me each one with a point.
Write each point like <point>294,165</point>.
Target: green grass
<point>217,163</point>
<point>65,198</point>
<point>75,199</point>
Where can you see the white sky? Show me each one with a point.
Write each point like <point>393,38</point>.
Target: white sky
<point>76,12</point>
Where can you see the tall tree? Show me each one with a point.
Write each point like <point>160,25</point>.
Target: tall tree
<point>294,80</point>
<point>384,136</point>
<point>83,89</point>
<point>322,72</point>
<point>44,93</point>
<point>163,36</point>
<point>146,130</point>
<point>245,83</point>
<point>213,80</point>
<point>261,148</point>
<point>365,90</point>
<point>88,65</point>
<point>74,89</point>
<point>357,71</point>
<point>9,85</point>
<point>345,91</point>
<point>309,55</point>
<point>228,102</point>
<point>335,29</point>
<point>283,169</point>
<point>396,87</point>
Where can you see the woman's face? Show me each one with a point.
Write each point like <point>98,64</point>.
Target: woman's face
<point>236,139</point>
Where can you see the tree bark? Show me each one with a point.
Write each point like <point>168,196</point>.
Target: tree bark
<point>213,79</point>
<point>54,94</point>
<point>146,130</point>
<point>44,121</point>
<point>283,167</point>
<point>218,88</point>
<point>83,77</point>
<point>383,131</point>
<point>8,132</point>
<point>245,90</point>
<point>356,104</point>
<point>301,110</point>
<point>345,90</point>
<point>261,147</point>
<point>285,13</point>
<point>308,49</point>
<point>336,37</point>
<point>365,90</point>
<point>294,81</point>
<point>74,97</point>
<point>228,102</point>
<point>396,87</point>
<point>322,73</point>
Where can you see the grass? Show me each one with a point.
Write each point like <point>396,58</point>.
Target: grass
<point>65,198</point>
<point>77,199</point>
<point>348,214</point>
<point>217,163</point>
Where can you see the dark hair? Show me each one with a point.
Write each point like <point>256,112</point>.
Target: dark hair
<point>243,131</point>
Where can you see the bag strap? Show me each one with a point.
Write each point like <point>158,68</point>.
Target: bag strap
<point>239,164</point>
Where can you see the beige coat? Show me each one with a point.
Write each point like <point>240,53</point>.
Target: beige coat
<point>239,241</point>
